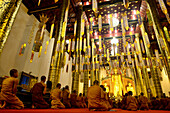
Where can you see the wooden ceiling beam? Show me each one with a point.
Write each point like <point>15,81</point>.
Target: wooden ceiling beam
<point>47,8</point>
<point>104,4</point>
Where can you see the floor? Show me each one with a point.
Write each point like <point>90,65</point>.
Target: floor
<point>74,111</point>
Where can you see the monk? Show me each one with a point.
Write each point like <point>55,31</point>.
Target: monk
<point>66,97</point>
<point>37,94</point>
<point>143,102</point>
<point>163,102</point>
<point>95,95</point>
<point>131,102</point>
<point>123,102</point>
<point>56,96</point>
<point>80,101</point>
<point>8,92</point>
<point>168,105</point>
<point>74,99</point>
<point>84,101</point>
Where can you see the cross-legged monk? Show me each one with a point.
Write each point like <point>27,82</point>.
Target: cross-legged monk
<point>8,92</point>
<point>80,101</point>
<point>143,101</point>
<point>94,95</point>
<point>37,94</point>
<point>66,97</point>
<point>107,98</point>
<point>131,102</point>
<point>56,96</point>
<point>84,101</point>
<point>123,102</point>
<point>74,99</point>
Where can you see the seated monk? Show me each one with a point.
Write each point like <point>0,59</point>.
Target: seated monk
<point>84,101</point>
<point>131,102</point>
<point>143,102</point>
<point>123,102</point>
<point>56,96</point>
<point>8,92</point>
<point>66,97</point>
<point>106,98</point>
<point>80,101</point>
<point>168,105</point>
<point>74,99</point>
<point>37,94</point>
<point>95,95</point>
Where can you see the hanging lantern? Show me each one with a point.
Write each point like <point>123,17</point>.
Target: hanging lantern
<point>126,3</point>
<point>111,22</point>
<point>46,47</point>
<point>147,40</point>
<point>142,46</point>
<point>167,34</point>
<point>84,45</point>
<point>73,45</point>
<point>100,22</point>
<point>139,18</point>
<point>164,9</point>
<point>91,25</point>
<point>32,56</point>
<point>125,21</point>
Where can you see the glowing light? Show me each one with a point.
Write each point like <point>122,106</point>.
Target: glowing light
<point>134,12</point>
<point>97,43</point>
<point>87,3</point>
<point>67,41</point>
<point>114,41</point>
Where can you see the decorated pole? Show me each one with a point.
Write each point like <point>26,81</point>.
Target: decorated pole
<point>154,72</point>
<point>53,77</point>
<point>8,12</point>
<point>162,41</point>
<point>75,83</point>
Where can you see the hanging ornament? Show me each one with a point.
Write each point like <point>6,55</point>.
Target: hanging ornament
<point>73,45</point>
<point>126,3</point>
<point>125,21</point>
<point>142,46</point>
<point>167,34</point>
<point>100,23</point>
<point>39,1</point>
<point>111,22</point>
<point>91,25</point>
<point>63,29</point>
<point>82,27</point>
<point>40,52</point>
<point>95,7</point>
<point>84,45</point>
<point>32,56</point>
<point>147,40</point>
<point>46,47</point>
<point>164,9</point>
<point>75,26</point>
<point>22,50</point>
<point>69,45</point>
<point>139,18</point>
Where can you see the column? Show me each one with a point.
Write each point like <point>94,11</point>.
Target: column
<point>8,12</point>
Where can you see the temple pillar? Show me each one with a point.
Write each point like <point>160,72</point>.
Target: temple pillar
<point>165,52</point>
<point>54,73</point>
<point>8,12</point>
<point>76,74</point>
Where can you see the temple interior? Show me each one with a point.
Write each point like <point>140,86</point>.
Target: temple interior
<point>124,44</point>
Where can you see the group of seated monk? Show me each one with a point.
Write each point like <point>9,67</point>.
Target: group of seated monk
<point>97,98</point>
<point>142,103</point>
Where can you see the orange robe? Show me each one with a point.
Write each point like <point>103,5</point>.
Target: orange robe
<point>7,93</point>
<point>56,96</point>
<point>123,102</point>
<point>84,102</point>
<point>168,105</point>
<point>143,101</point>
<point>95,95</point>
<point>163,103</point>
<point>37,96</point>
<point>107,100</point>
<point>131,103</point>
<point>73,100</point>
<point>80,102</point>
<point>66,98</point>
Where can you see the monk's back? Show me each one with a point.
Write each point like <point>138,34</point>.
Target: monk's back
<point>7,85</point>
<point>37,89</point>
<point>65,94</point>
<point>94,92</point>
<point>55,94</point>
<point>143,100</point>
<point>73,97</point>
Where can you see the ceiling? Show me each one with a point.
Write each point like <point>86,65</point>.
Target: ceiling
<point>105,7</point>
